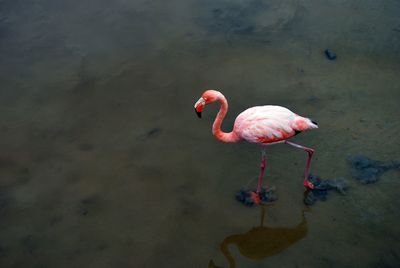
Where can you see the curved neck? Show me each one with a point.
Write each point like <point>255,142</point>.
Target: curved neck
<point>216,129</point>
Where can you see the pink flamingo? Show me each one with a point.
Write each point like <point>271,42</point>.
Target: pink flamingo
<point>264,125</point>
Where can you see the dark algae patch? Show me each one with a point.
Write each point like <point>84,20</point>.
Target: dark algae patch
<point>150,133</point>
<point>330,54</point>
<point>322,187</point>
<point>367,170</point>
<point>267,195</point>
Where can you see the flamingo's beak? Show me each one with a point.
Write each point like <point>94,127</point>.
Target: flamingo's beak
<point>198,113</point>
<point>199,106</point>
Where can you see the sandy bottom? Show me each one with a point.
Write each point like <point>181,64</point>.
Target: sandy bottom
<point>103,162</point>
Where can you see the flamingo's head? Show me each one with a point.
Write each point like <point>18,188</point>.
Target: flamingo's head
<point>207,97</point>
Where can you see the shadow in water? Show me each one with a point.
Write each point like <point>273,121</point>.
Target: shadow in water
<point>262,242</point>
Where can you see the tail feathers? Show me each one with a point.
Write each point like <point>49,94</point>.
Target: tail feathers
<point>313,124</point>
<point>302,123</point>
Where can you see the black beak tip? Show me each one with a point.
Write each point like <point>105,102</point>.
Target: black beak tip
<point>198,113</point>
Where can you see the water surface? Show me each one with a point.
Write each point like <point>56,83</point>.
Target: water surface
<point>103,162</point>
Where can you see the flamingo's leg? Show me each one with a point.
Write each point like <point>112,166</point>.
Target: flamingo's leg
<point>262,168</point>
<point>255,196</point>
<point>310,153</point>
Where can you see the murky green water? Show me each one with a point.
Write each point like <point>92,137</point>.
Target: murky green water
<point>103,162</point>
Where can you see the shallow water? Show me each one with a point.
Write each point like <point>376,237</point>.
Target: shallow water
<point>103,162</point>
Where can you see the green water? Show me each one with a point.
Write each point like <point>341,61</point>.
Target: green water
<point>103,162</point>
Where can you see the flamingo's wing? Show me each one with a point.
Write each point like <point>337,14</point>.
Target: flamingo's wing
<point>265,124</point>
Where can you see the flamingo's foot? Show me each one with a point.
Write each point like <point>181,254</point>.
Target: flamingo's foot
<point>255,197</point>
<point>322,187</point>
<point>250,197</point>
<point>308,184</point>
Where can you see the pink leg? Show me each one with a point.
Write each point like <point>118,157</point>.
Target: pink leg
<point>256,195</point>
<point>310,153</point>
<point>262,168</point>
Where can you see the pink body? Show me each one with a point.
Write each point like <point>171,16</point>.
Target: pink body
<point>259,124</point>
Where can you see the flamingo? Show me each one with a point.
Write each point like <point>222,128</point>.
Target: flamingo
<point>263,125</point>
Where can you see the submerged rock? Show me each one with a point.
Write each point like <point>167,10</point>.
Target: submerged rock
<point>330,54</point>
<point>322,187</point>
<point>267,195</point>
<point>367,170</point>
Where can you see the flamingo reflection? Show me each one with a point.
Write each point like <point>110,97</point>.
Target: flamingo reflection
<point>262,242</point>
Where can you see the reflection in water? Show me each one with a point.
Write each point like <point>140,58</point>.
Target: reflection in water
<point>262,242</point>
